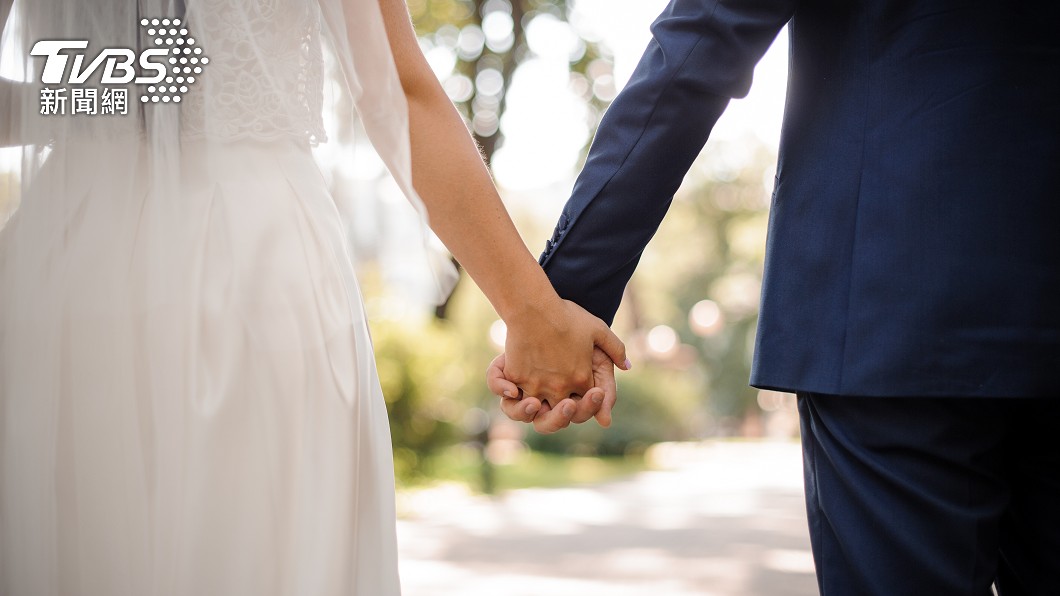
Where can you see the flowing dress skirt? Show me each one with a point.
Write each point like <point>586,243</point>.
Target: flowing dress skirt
<point>188,399</point>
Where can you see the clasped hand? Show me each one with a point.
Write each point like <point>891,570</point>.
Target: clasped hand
<point>557,368</point>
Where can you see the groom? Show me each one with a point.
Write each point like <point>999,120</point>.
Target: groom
<point>912,281</point>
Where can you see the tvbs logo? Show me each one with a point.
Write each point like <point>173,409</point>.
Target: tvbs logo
<point>167,69</point>
<point>117,64</point>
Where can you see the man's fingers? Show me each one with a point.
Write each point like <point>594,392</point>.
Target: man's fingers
<point>497,383</point>
<point>521,410</point>
<point>514,405</point>
<point>550,420</point>
<point>606,340</point>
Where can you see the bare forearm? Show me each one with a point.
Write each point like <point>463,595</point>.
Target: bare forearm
<point>465,209</point>
<point>550,341</point>
<point>448,173</point>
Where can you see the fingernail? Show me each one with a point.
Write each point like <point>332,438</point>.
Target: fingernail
<point>508,394</point>
<point>629,364</point>
<point>598,399</point>
<point>532,409</point>
<point>568,410</point>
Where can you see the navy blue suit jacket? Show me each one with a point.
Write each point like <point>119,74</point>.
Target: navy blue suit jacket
<point>913,245</point>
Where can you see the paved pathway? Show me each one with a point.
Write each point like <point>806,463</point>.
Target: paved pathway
<point>719,519</point>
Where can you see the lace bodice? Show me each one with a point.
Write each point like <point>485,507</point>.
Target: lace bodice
<point>265,76</point>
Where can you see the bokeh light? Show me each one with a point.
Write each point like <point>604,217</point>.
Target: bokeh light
<point>662,340</point>
<point>705,318</point>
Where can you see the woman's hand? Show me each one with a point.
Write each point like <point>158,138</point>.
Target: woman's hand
<point>598,402</point>
<point>549,350</point>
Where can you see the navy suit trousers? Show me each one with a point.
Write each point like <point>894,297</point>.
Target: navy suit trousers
<point>933,496</point>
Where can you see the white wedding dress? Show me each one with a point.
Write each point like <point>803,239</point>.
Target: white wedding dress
<point>188,399</point>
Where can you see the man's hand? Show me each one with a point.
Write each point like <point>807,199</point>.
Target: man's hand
<point>549,351</point>
<point>598,402</point>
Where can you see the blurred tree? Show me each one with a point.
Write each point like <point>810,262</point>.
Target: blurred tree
<point>431,373</point>
<point>477,45</point>
<point>690,312</point>
<point>417,385</point>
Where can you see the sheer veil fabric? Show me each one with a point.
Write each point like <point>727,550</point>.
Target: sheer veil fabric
<point>188,398</point>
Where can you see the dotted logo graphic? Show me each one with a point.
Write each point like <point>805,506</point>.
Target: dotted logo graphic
<point>185,60</point>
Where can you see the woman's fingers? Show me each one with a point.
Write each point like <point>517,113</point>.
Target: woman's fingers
<point>597,402</point>
<point>496,381</point>
<point>513,403</point>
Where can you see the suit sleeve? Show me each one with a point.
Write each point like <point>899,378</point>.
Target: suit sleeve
<point>702,53</point>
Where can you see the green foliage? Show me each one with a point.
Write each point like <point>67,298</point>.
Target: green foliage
<point>433,377</point>
<point>431,15</point>
<point>534,469</point>
<point>654,405</point>
<point>710,247</point>
<point>420,373</point>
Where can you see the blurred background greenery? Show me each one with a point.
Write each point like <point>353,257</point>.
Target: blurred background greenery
<point>532,79</point>
<point>688,316</point>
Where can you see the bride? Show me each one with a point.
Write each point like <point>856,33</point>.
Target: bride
<point>188,399</point>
